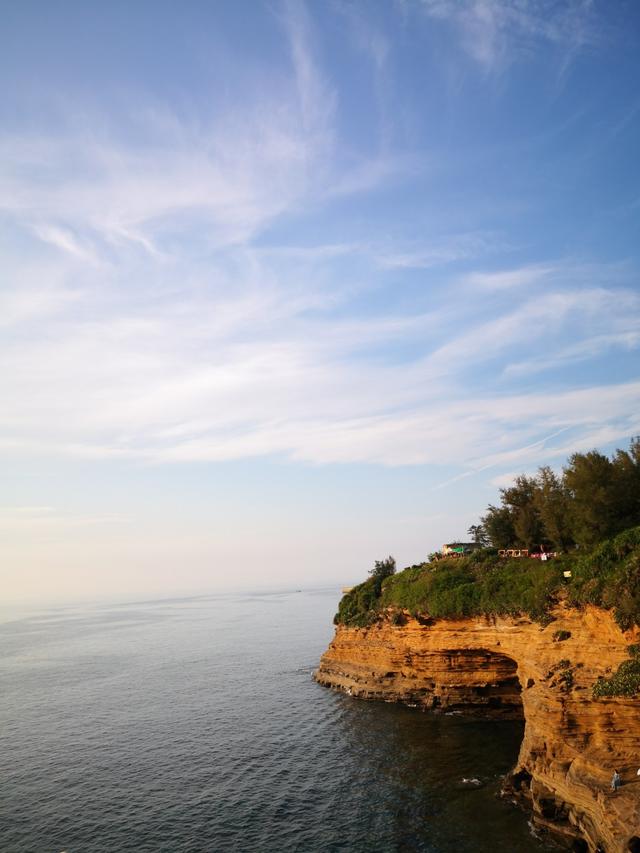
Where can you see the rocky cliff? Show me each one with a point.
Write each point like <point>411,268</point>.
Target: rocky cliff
<point>510,667</point>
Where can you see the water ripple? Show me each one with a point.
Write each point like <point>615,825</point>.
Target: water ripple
<point>194,726</point>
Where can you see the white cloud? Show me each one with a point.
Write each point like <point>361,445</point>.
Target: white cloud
<point>366,36</point>
<point>494,32</point>
<point>152,327</point>
<point>317,100</point>
<point>37,519</point>
<point>22,511</point>
<point>64,240</point>
<point>233,182</point>
<point>508,279</point>
<point>219,180</point>
<point>30,303</point>
<point>503,481</point>
<point>439,251</point>
<point>538,319</point>
<point>258,354</point>
<point>625,339</point>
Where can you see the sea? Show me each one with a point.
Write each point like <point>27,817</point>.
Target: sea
<point>192,725</point>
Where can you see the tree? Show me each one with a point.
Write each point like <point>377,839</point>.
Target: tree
<point>383,568</point>
<point>590,481</point>
<point>478,534</point>
<point>594,499</point>
<point>499,527</point>
<point>552,504</point>
<point>626,485</point>
<point>520,499</point>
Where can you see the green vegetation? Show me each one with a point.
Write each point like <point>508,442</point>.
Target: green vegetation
<point>625,681</point>
<point>609,576</point>
<point>593,499</point>
<point>478,535</point>
<point>565,680</point>
<point>467,586</point>
<point>383,569</point>
<point>484,584</point>
<point>360,606</point>
<point>590,514</point>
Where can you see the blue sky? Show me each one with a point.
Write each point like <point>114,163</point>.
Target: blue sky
<point>288,287</point>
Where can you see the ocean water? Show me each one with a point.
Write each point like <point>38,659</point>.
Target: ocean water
<point>194,725</point>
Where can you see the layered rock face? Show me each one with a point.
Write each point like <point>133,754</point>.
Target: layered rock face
<point>513,667</point>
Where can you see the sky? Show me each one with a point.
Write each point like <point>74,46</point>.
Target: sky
<point>287,287</point>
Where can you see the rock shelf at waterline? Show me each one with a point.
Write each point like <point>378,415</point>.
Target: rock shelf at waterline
<point>510,667</point>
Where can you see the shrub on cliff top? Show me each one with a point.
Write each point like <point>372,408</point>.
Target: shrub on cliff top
<point>610,577</point>
<point>358,607</point>
<point>469,586</point>
<point>474,586</point>
<point>484,584</point>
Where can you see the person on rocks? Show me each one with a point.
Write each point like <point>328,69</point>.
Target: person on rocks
<point>616,781</point>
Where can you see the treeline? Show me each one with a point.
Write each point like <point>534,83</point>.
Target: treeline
<point>593,499</point>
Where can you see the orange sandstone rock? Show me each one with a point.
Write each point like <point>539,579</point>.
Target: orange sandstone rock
<point>513,667</point>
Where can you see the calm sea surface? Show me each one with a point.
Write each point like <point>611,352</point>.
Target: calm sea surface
<point>193,725</point>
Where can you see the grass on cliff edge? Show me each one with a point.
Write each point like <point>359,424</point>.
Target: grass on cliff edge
<point>484,584</point>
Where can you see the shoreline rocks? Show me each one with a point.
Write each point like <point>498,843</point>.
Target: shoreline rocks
<point>510,668</point>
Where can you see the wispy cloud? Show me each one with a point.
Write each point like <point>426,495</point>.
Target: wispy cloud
<point>161,321</point>
<point>357,236</point>
<point>367,37</point>
<point>539,318</point>
<point>625,339</point>
<point>230,183</point>
<point>508,279</point>
<point>315,97</point>
<point>156,180</point>
<point>494,32</point>
<point>208,375</point>
<point>513,455</point>
<point>64,240</point>
<point>34,519</point>
<point>439,251</point>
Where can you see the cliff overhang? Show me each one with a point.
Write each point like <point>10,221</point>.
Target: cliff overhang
<point>501,667</point>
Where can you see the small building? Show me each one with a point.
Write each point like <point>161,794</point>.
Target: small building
<point>459,549</point>
<point>517,553</point>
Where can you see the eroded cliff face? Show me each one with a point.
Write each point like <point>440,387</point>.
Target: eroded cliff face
<point>506,667</point>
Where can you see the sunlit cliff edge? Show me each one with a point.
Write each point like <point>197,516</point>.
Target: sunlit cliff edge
<point>512,666</point>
